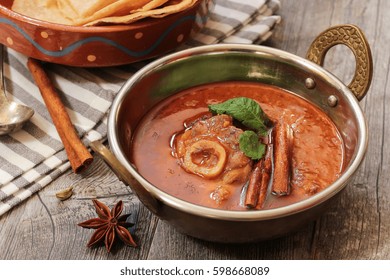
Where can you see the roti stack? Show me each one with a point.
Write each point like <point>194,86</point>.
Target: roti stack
<point>98,12</point>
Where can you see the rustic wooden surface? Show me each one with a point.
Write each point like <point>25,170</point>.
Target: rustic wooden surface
<point>356,227</point>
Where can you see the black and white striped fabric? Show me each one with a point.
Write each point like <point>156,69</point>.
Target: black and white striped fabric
<point>33,157</point>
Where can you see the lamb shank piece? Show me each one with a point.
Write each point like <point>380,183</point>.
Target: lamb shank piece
<point>210,149</point>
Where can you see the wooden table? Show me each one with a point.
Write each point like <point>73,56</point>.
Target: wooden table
<point>356,227</point>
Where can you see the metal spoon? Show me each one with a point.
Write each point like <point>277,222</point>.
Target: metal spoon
<point>12,114</point>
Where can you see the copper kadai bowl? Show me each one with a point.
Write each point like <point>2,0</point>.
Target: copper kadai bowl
<point>200,65</point>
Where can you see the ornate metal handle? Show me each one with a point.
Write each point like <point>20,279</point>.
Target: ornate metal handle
<point>352,37</point>
<point>148,200</point>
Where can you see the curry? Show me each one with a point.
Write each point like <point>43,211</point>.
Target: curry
<point>189,148</point>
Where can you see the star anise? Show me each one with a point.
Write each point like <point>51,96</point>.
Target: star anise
<point>108,225</point>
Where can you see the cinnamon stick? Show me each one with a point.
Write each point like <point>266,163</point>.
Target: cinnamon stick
<point>282,139</point>
<point>79,156</point>
<point>258,181</point>
<point>252,192</point>
<point>266,176</point>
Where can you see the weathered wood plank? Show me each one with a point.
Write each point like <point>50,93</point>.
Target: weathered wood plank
<point>46,228</point>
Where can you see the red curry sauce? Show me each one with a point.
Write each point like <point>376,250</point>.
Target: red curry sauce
<point>317,153</point>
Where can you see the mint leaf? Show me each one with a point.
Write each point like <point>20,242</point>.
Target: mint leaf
<point>250,114</point>
<point>245,110</point>
<point>251,146</point>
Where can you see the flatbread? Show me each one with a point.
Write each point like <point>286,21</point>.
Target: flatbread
<point>118,8</point>
<point>172,6</point>
<point>46,10</point>
<point>98,12</point>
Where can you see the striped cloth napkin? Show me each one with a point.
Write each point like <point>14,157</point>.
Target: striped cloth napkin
<point>33,157</point>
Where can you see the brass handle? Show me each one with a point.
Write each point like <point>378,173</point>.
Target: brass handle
<point>124,175</point>
<point>352,37</point>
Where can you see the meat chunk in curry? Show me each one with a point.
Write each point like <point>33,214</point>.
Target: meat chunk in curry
<point>210,149</point>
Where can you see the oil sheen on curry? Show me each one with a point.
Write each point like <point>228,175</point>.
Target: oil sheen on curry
<point>238,146</point>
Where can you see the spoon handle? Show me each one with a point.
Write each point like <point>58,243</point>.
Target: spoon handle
<point>3,97</point>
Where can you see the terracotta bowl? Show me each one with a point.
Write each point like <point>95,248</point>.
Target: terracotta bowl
<point>98,46</point>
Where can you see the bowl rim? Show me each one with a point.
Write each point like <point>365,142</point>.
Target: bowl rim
<point>241,215</point>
